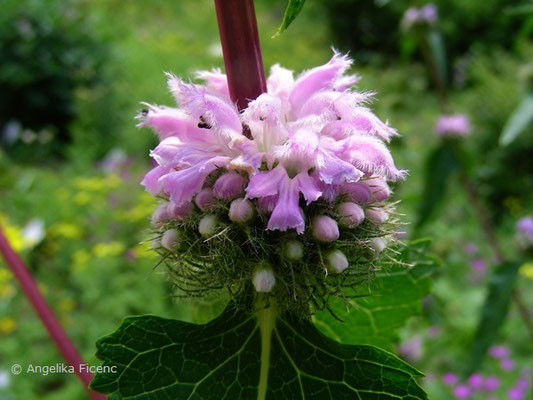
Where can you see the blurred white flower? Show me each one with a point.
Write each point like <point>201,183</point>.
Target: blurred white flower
<point>34,231</point>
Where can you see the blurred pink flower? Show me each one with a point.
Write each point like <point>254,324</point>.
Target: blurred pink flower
<point>457,125</point>
<point>462,392</point>
<point>499,351</point>
<point>450,379</point>
<point>491,384</point>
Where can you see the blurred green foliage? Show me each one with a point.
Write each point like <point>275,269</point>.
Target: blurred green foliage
<point>52,55</point>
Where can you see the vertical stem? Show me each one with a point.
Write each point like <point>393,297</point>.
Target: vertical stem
<point>29,287</point>
<point>242,52</point>
<point>434,72</point>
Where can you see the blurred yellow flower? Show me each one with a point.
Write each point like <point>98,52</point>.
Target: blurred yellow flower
<point>108,249</point>
<point>144,250</point>
<point>67,230</point>
<point>6,290</point>
<point>13,234</point>
<point>527,270</point>
<point>97,184</point>
<point>66,305</point>
<point>7,325</point>
<point>80,259</point>
<point>82,198</point>
<point>5,275</point>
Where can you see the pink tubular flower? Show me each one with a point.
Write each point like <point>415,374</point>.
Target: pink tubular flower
<point>306,138</point>
<point>457,125</point>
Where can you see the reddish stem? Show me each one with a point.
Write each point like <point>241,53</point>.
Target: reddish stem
<point>242,52</point>
<point>29,287</point>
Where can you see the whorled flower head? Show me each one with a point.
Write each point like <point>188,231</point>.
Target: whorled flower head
<point>454,126</point>
<point>420,17</point>
<point>303,157</point>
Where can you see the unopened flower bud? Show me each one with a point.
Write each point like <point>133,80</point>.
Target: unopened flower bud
<point>351,214</point>
<point>357,192</point>
<point>377,215</point>
<point>170,240</point>
<point>207,225</point>
<point>159,215</point>
<point>155,241</point>
<point>241,210</point>
<point>264,279</point>
<point>378,244</point>
<point>205,199</point>
<point>379,188</point>
<point>294,250</point>
<point>229,186</point>
<point>179,212</point>
<point>336,262</point>
<point>325,229</point>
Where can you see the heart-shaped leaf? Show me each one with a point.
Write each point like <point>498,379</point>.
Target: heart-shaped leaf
<point>386,304</point>
<point>241,356</point>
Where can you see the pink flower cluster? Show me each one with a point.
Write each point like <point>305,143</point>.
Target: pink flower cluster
<point>424,16</point>
<point>524,229</point>
<point>307,139</point>
<point>456,125</point>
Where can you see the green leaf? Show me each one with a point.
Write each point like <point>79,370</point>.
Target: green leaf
<point>291,12</point>
<point>493,313</point>
<point>519,120</point>
<point>385,306</point>
<point>245,356</point>
<point>440,165</point>
<point>436,44</point>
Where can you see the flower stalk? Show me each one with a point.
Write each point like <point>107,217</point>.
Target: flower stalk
<point>45,314</point>
<point>237,25</point>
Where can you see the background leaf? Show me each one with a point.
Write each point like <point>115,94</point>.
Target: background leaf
<point>436,44</point>
<point>291,12</point>
<point>518,121</point>
<point>440,165</point>
<point>230,357</point>
<point>493,313</point>
<point>386,305</point>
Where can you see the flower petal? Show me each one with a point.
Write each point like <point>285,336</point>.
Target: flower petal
<point>266,183</point>
<point>308,187</point>
<point>219,114</point>
<point>216,81</point>
<point>263,117</point>
<point>151,179</point>
<point>316,79</point>
<point>169,122</point>
<point>287,213</point>
<point>182,185</point>
<point>371,156</point>
<point>334,171</point>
